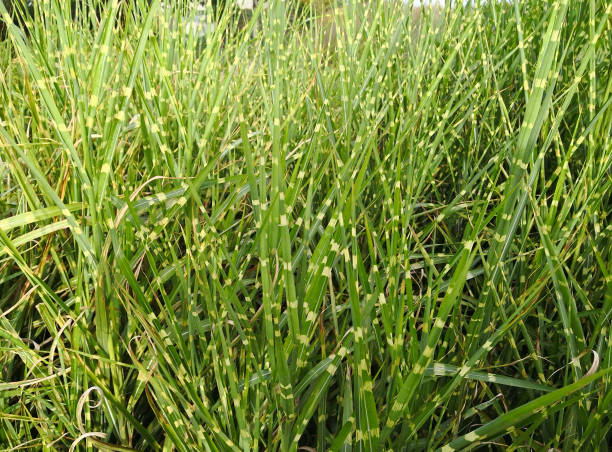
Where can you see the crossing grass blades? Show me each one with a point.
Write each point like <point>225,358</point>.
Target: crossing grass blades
<point>396,238</point>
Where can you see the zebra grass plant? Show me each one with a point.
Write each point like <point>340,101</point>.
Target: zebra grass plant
<point>400,241</point>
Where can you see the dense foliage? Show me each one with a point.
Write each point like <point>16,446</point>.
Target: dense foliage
<point>374,227</point>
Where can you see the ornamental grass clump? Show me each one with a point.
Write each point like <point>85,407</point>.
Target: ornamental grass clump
<point>266,237</point>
